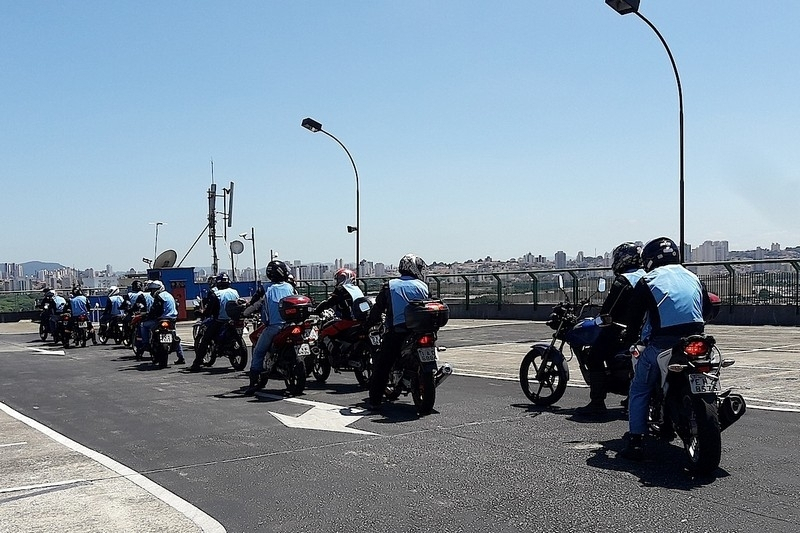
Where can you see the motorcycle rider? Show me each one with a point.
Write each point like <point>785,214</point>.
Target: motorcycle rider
<point>57,305</point>
<point>278,275</point>
<point>627,267</point>
<point>669,302</point>
<point>163,307</point>
<point>79,305</point>
<point>216,315</point>
<point>112,313</point>
<point>341,300</point>
<point>392,299</point>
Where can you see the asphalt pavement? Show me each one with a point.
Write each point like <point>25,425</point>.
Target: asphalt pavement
<point>134,434</point>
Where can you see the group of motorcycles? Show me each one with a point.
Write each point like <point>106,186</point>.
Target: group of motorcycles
<point>62,329</point>
<point>688,402</point>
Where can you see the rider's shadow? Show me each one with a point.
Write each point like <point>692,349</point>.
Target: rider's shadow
<point>659,467</point>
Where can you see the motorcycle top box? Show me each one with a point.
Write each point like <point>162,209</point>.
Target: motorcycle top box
<point>295,308</point>
<point>426,315</point>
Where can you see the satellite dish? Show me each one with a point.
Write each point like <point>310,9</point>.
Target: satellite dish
<point>165,259</point>
<point>237,247</point>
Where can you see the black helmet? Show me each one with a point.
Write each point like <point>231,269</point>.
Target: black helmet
<point>659,252</point>
<point>277,271</point>
<point>626,256</point>
<point>411,265</point>
<point>76,291</point>
<point>223,281</point>
<point>211,281</point>
<point>136,286</point>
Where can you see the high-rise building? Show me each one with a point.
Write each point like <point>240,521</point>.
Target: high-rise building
<point>561,259</point>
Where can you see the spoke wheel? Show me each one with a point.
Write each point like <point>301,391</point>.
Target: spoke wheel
<point>542,379</point>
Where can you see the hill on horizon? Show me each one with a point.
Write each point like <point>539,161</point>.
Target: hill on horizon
<point>29,268</point>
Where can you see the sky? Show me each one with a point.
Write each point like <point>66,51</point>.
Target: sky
<point>477,128</point>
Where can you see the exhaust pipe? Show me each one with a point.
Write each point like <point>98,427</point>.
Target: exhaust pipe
<point>442,374</point>
<point>731,409</point>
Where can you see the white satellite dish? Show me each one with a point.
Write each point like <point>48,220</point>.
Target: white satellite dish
<point>165,259</point>
<point>237,247</point>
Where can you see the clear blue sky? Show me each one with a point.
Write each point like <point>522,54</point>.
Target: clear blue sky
<point>478,128</point>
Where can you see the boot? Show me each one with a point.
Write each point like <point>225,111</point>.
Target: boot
<point>597,394</point>
<point>256,383</point>
<point>634,450</point>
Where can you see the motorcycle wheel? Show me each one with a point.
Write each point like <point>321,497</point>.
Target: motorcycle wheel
<point>364,374</point>
<point>238,358</point>
<point>423,391</point>
<point>322,367</point>
<point>543,382</point>
<point>83,339</point>
<point>296,377</point>
<point>126,340</point>
<point>704,444</point>
<point>65,340</point>
<point>42,331</point>
<point>210,357</point>
<point>102,336</point>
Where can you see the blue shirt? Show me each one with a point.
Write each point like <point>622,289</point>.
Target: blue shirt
<point>170,309</point>
<point>677,299</point>
<point>79,305</point>
<point>275,293</point>
<point>403,290</point>
<point>225,296</point>
<point>116,304</point>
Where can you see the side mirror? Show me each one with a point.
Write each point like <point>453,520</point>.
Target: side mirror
<point>601,285</point>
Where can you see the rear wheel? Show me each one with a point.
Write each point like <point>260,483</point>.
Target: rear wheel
<point>296,376</point>
<point>364,374</point>
<point>238,358</point>
<point>210,357</point>
<point>423,390</point>
<point>102,335</point>
<point>543,380</point>
<point>322,367</point>
<point>704,445</point>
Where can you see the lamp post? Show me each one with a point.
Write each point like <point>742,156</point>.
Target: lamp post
<point>624,7</point>
<point>155,247</point>
<point>252,238</point>
<point>313,126</point>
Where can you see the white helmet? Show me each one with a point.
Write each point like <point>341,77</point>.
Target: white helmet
<point>154,286</point>
<point>113,291</point>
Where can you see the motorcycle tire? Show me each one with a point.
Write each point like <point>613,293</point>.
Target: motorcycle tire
<point>65,340</point>
<point>210,357</point>
<point>322,367</point>
<point>543,382</point>
<point>238,358</point>
<point>704,447</point>
<point>43,331</point>
<point>364,374</point>
<point>423,390</point>
<point>296,377</point>
<point>119,338</point>
<point>102,337</point>
<point>83,339</point>
<point>126,340</point>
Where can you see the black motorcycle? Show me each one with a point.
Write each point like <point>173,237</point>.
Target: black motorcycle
<point>162,338</point>
<point>113,329</point>
<point>229,342</point>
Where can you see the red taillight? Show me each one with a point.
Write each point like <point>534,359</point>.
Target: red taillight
<point>165,324</point>
<point>297,330</point>
<point>435,306</point>
<point>426,340</point>
<point>696,349</point>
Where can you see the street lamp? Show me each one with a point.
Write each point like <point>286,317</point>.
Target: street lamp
<point>313,126</point>
<point>623,7</point>
<point>252,238</point>
<point>155,247</point>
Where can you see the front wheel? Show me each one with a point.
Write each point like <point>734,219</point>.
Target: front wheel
<point>210,357</point>
<point>238,357</point>
<point>322,367</point>
<point>42,331</point>
<point>704,445</point>
<point>102,335</point>
<point>543,379</point>
<point>423,390</point>
<point>364,373</point>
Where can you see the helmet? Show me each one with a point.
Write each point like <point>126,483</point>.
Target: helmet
<point>659,252</point>
<point>344,275</point>
<point>223,281</point>
<point>46,289</point>
<point>211,281</point>
<point>411,265</point>
<point>136,286</point>
<point>76,291</point>
<point>155,286</point>
<point>626,256</point>
<point>113,290</point>
<point>50,293</point>
<point>277,271</point>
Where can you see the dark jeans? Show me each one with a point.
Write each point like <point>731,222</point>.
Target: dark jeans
<point>390,350</point>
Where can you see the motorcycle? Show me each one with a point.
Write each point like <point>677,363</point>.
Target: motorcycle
<point>76,332</point>
<point>345,345</point>
<point>44,323</point>
<point>229,342</point>
<point>291,344</point>
<point>135,340</point>
<point>416,370</point>
<point>162,337</point>
<point>113,329</point>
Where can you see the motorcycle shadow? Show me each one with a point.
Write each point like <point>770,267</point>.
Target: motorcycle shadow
<point>571,414</point>
<point>658,469</point>
<point>336,388</point>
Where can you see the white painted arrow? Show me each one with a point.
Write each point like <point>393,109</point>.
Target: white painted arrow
<point>48,352</point>
<point>321,416</point>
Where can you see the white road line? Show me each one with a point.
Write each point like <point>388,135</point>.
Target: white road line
<point>43,485</point>
<point>13,444</point>
<point>201,519</point>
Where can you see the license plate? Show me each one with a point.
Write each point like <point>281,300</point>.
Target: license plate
<point>375,340</point>
<point>426,355</point>
<point>82,324</point>
<point>303,349</point>
<point>166,338</point>
<point>701,384</point>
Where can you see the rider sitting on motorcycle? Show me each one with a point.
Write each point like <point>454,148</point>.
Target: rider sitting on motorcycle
<point>627,268</point>
<point>393,298</point>
<point>79,305</point>
<point>112,313</point>
<point>278,274</point>
<point>52,305</point>
<point>163,307</point>
<point>215,314</point>
<point>669,302</point>
<point>341,301</point>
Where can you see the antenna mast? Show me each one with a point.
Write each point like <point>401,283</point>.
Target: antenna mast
<point>212,221</point>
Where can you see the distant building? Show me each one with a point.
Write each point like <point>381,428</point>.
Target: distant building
<point>561,259</point>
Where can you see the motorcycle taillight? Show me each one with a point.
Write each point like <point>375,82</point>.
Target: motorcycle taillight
<point>296,330</point>
<point>426,340</point>
<point>695,349</point>
<point>165,324</point>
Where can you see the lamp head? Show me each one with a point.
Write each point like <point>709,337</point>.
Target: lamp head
<point>311,125</point>
<point>351,229</point>
<point>623,7</point>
